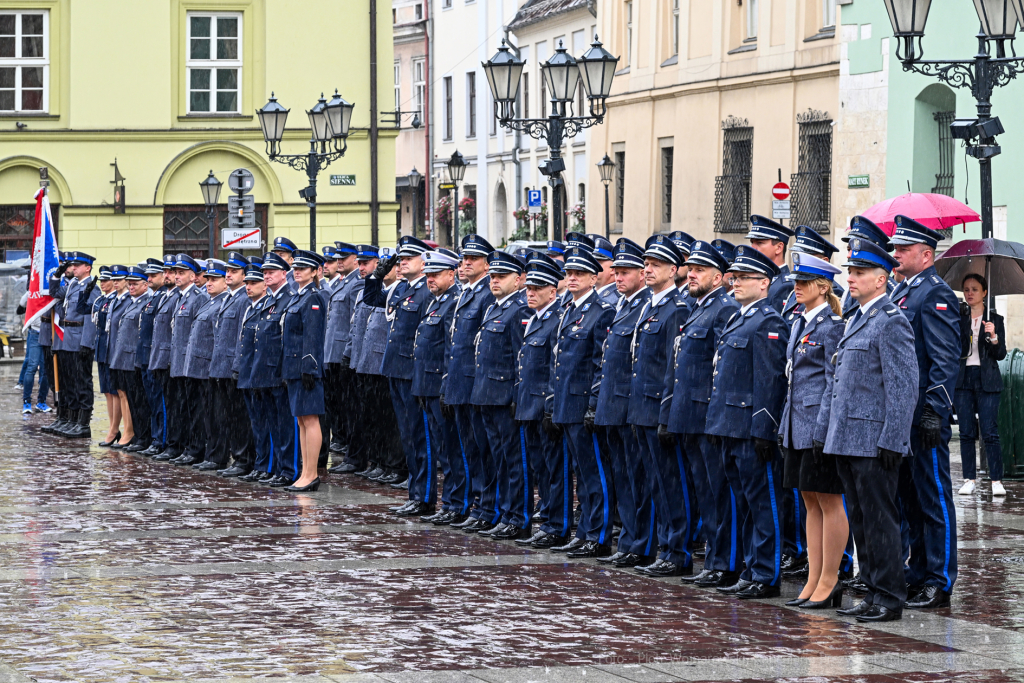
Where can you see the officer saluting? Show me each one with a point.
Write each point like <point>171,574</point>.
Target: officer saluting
<point>74,306</point>
<point>747,395</point>
<point>339,377</point>
<point>925,489</point>
<point>869,421</point>
<point>770,238</point>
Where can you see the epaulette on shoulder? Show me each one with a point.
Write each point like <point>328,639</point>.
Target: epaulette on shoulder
<point>680,301</point>
<point>837,318</point>
<point>936,279</point>
<point>891,309</point>
<point>604,304</point>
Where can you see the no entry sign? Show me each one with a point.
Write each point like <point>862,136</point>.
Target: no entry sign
<point>780,191</point>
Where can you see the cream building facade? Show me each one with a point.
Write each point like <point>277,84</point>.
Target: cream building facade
<point>715,101</point>
<point>169,90</point>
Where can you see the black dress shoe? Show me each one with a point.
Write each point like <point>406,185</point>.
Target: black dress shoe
<point>135,448</point>
<point>612,558</point>
<point>375,472</point>
<point>497,528</point>
<point>833,601</point>
<point>795,602</point>
<point>574,544</point>
<point>702,576</point>
<point>370,467</point>
<point>591,549</point>
<point>758,591</point>
<point>154,449</point>
<point>631,560</point>
<point>390,478</point>
<point>343,468</point>
<point>251,476</point>
<point>740,584</point>
<point>402,485</point>
<point>666,568</point>
<point>233,471</point>
<point>879,613</point>
<point>477,526</point>
<point>857,585</point>
<point>308,488</point>
<point>185,459</point>
<point>445,518</point>
<point>712,579</point>
<point>930,597</point>
<point>166,456</point>
<point>793,567</point>
<point>279,483</point>
<point>537,518</point>
<point>336,447</point>
<point>549,541</point>
<point>404,506</point>
<point>464,523</point>
<point>536,537</point>
<point>267,477</point>
<point>433,515</point>
<point>855,611</point>
<point>456,518</point>
<point>106,444</point>
<point>513,533</point>
<point>643,569</point>
<point>207,466</point>
<point>416,510</point>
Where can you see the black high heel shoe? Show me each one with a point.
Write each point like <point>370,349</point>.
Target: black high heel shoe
<point>835,600</point>
<point>308,488</point>
<point>108,444</point>
<point>796,602</point>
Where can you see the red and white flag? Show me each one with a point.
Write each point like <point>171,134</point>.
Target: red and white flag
<point>45,261</point>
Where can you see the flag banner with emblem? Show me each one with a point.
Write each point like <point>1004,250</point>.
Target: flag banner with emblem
<point>45,261</point>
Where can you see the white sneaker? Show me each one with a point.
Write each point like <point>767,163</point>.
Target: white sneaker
<point>997,489</point>
<point>968,487</point>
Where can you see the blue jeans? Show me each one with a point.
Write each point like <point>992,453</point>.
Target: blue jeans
<point>971,401</point>
<point>33,362</point>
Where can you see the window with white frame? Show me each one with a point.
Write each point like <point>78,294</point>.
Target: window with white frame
<point>398,86</point>
<point>751,19</point>
<point>449,128</point>
<point>675,27</point>
<point>419,84</point>
<point>629,31</point>
<point>471,104</point>
<point>828,13</point>
<point>24,61</point>
<point>214,63</point>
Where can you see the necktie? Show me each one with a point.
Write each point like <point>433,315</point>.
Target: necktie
<point>853,321</point>
<point>798,330</point>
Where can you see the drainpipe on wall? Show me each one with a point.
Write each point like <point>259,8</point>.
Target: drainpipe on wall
<point>516,140</point>
<point>374,189</point>
<point>428,120</point>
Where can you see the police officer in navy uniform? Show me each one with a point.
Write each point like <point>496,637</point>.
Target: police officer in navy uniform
<point>748,390</point>
<point>199,354</point>
<point>228,402</point>
<point>603,252</point>
<point>76,381</point>
<point>122,360</point>
<point>267,378</point>
<point>429,359</point>
<point>158,287</point>
<point>925,489</point>
<point>572,404</point>
<point>548,460</point>
<point>728,250</point>
<point>866,230</point>
<point>410,297</point>
<point>160,364</point>
<point>684,242</point>
<point>100,308</point>
<point>457,383</point>
<point>498,343</point>
<point>189,424</point>
<point>808,241</point>
<point>286,249</point>
<point>242,370</point>
<point>684,412</point>
<point>869,420</point>
<point>675,503</point>
<point>637,539</point>
<point>771,239</point>
<point>118,385</point>
<point>339,377</point>
<point>556,251</point>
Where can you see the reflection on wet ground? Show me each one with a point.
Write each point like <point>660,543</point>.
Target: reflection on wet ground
<point>115,568</point>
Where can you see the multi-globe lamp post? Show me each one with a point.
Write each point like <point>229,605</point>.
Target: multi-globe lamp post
<point>330,122</point>
<point>562,73</point>
<point>981,74</point>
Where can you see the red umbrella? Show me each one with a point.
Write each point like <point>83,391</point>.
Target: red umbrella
<point>937,211</point>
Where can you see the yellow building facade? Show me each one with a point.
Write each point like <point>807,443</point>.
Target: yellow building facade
<point>169,89</point>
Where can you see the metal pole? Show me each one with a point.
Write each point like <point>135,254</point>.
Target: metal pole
<point>211,217</point>
<point>455,217</point>
<point>312,169</point>
<point>607,216</point>
<point>374,191</point>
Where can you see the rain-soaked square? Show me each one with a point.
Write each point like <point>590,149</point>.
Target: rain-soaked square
<point>114,567</point>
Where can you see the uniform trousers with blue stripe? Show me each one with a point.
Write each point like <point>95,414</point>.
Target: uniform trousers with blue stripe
<point>473,436</point>
<point>674,500</point>
<point>716,502</point>
<point>593,486</point>
<point>284,436</point>
<point>444,441</point>
<point>926,492</point>
<point>412,425</point>
<point>260,430</point>
<point>552,473</point>
<point>513,482</point>
<point>634,500</point>
<point>757,488</point>
<point>158,410</point>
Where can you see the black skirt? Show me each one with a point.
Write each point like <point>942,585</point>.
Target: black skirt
<point>803,473</point>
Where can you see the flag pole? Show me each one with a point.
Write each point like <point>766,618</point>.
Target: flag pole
<point>44,182</point>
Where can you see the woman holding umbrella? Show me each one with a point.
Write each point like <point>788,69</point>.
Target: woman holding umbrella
<point>979,385</point>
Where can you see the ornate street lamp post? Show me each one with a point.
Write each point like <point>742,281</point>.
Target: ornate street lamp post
<point>456,171</point>
<point>607,167</point>
<point>415,178</point>
<point>211,195</point>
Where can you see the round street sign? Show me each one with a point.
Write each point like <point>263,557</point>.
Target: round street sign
<point>780,191</point>
<point>240,180</point>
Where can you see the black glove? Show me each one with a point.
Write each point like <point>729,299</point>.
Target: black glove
<point>588,419</point>
<point>234,376</point>
<point>63,268</point>
<point>20,310</point>
<point>384,266</point>
<point>667,438</point>
<point>765,449</point>
<point>84,353</point>
<point>889,460</point>
<point>89,287</point>
<point>512,411</point>
<point>308,381</point>
<point>553,430</point>
<point>421,401</point>
<point>447,411</point>
<point>818,451</point>
<point>931,428</point>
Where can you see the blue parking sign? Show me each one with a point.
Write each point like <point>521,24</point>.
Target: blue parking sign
<point>533,201</point>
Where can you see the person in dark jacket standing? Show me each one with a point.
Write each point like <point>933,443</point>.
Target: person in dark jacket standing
<point>189,424</point>
<point>925,488</point>
<point>121,300</point>
<point>242,371</point>
<point>813,338</point>
<point>771,239</point>
<point>198,356</point>
<point>100,310</point>
<point>979,384</point>
<point>339,377</point>
<point>122,360</point>
<point>160,362</point>
<point>155,273</point>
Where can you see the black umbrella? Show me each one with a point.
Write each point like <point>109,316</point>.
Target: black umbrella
<point>1001,262</point>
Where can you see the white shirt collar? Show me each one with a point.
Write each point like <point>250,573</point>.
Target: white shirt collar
<point>579,302</point>
<point>700,301</point>
<point>865,306</point>
<point>632,296</point>
<point>542,311</point>
<point>502,301</point>
<point>412,283</point>
<point>744,309</point>
<point>809,315</point>
<point>185,291</point>
<point>657,297</point>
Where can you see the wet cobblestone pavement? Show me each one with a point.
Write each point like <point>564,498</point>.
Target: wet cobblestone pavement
<point>116,568</point>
